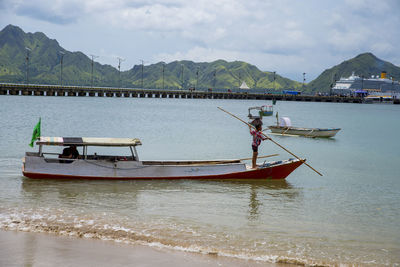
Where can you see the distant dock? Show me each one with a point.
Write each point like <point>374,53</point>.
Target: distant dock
<point>82,91</point>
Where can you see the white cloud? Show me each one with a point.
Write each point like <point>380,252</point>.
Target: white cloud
<point>198,54</point>
<point>54,11</point>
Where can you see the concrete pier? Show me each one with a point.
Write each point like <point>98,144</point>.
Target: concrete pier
<point>82,91</point>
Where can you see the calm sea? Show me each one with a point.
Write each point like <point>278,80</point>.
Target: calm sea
<point>351,215</point>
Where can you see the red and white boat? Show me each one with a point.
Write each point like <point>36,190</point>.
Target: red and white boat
<point>47,165</point>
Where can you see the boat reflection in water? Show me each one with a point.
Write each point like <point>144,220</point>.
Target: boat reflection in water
<point>261,192</point>
<point>211,215</point>
<point>92,197</point>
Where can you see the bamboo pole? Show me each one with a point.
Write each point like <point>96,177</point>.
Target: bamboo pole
<point>271,140</point>
<point>261,157</point>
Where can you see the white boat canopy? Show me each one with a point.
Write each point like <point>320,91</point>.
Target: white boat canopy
<point>87,141</point>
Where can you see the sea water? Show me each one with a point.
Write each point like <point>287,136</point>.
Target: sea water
<point>350,215</point>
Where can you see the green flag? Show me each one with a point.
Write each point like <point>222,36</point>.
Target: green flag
<point>36,133</point>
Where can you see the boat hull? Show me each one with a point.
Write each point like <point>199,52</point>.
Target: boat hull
<point>307,132</point>
<point>38,168</point>
<point>267,113</point>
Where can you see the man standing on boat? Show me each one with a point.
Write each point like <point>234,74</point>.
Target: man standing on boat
<point>257,138</point>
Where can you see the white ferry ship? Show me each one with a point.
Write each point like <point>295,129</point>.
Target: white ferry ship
<point>379,86</point>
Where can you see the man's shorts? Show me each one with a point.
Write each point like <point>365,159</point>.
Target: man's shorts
<point>255,148</point>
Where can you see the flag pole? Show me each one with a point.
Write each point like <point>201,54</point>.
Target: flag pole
<point>271,140</point>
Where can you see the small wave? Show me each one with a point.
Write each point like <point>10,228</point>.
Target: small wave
<point>93,229</point>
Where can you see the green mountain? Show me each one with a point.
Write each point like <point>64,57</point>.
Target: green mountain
<point>45,68</point>
<point>362,65</point>
<point>44,61</point>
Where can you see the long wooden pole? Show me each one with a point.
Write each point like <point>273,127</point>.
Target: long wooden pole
<point>261,157</point>
<point>271,140</point>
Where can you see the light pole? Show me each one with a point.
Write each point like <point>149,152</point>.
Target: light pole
<point>93,57</point>
<point>119,70</point>
<point>274,80</point>
<point>304,79</point>
<point>163,70</point>
<point>182,75</point>
<point>392,83</point>
<point>362,82</point>
<point>197,80</point>
<point>62,53</point>
<point>333,84</point>
<point>27,64</point>
<point>142,70</point>
<point>215,79</point>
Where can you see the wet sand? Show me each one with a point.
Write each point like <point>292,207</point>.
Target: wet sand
<point>40,249</point>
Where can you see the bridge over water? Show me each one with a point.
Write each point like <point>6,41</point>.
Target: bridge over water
<point>82,91</point>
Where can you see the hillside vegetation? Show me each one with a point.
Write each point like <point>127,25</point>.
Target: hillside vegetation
<point>45,68</point>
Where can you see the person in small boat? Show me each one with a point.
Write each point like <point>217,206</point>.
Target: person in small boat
<point>257,138</point>
<point>69,153</point>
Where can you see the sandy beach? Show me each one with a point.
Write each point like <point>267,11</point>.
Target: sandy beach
<point>39,249</point>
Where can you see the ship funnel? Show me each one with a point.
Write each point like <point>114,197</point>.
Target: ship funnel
<point>383,75</point>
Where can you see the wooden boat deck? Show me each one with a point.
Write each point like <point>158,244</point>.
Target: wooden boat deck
<point>201,162</point>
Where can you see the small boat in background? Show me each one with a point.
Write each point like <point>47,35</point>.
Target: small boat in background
<point>263,111</point>
<point>47,165</point>
<point>256,114</point>
<point>285,128</point>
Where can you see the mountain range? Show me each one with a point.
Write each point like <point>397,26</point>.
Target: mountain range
<point>45,68</point>
<point>35,58</point>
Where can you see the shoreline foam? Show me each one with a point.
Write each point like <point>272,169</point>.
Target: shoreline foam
<point>41,249</point>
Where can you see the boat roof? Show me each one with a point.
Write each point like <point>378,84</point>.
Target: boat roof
<point>261,107</point>
<point>88,141</point>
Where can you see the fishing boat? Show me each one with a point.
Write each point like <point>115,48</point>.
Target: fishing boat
<point>256,114</point>
<point>285,128</point>
<point>263,111</point>
<point>89,165</point>
<point>307,132</point>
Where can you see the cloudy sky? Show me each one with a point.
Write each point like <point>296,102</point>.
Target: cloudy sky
<point>286,36</point>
